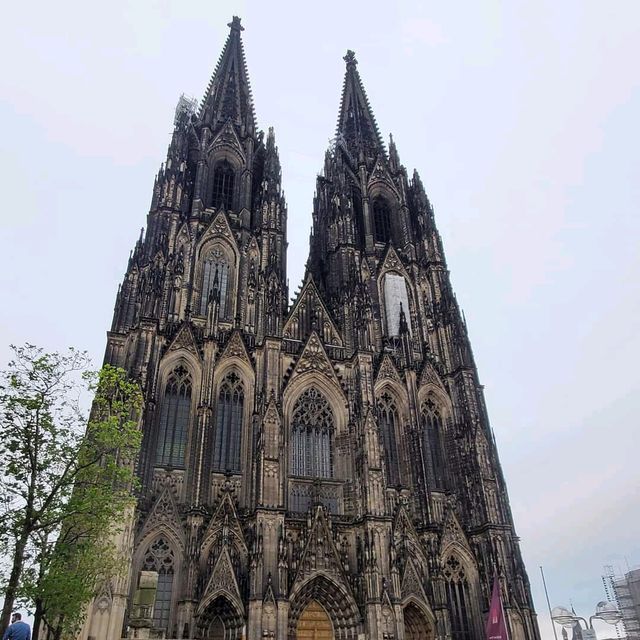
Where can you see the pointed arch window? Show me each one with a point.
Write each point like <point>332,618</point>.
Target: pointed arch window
<point>381,220</point>
<point>432,445</point>
<point>457,587</point>
<point>396,300</point>
<point>312,436</point>
<point>227,438</point>
<point>215,281</point>
<point>223,179</point>
<point>159,557</point>
<point>388,422</point>
<point>174,420</point>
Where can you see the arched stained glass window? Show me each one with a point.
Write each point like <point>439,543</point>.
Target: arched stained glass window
<point>312,427</point>
<point>174,420</point>
<point>388,421</point>
<point>432,445</point>
<point>457,587</point>
<point>381,220</point>
<point>223,178</point>
<point>159,557</point>
<point>215,281</point>
<point>227,438</point>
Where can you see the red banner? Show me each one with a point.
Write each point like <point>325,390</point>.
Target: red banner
<point>496,624</point>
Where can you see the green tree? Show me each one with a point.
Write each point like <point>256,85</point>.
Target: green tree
<point>65,481</point>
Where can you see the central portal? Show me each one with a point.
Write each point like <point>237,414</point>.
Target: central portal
<point>314,624</point>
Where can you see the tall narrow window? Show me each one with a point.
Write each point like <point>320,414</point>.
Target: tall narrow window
<point>388,421</point>
<point>312,428</point>
<point>223,175</point>
<point>228,428</point>
<point>160,558</point>
<point>395,298</point>
<point>458,600</point>
<point>381,220</point>
<point>174,420</point>
<point>432,445</point>
<point>215,281</point>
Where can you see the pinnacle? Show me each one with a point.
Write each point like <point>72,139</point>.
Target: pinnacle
<point>350,59</point>
<point>228,95</point>
<point>357,126</point>
<point>235,25</point>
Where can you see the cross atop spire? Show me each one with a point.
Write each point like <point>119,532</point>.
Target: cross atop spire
<point>235,25</point>
<point>228,95</point>
<point>357,125</point>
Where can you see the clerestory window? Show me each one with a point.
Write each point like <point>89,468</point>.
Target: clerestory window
<point>312,436</point>
<point>381,220</point>
<point>432,445</point>
<point>159,557</point>
<point>223,179</point>
<point>215,281</point>
<point>388,423</point>
<point>457,588</point>
<point>227,439</point>
<point>175,413</point>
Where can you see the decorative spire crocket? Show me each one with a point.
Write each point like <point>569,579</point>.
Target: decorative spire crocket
<point>228,96</point>
<point>357,128</point>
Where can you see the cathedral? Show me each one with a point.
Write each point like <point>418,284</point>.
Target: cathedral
<point>315,469</point>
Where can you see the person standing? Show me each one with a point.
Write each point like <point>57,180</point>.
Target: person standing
<point>17,630</point>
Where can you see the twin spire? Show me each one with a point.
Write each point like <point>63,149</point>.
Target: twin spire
<point>228,96</point>
<point>357,127</point>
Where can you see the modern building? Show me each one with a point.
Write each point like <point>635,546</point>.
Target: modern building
<point>315,470</point>
<point>625,591</point>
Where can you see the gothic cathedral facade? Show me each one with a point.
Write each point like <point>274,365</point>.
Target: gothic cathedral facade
<point>323,469</point>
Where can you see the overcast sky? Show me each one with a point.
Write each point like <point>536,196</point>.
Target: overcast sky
<point>522,119</point>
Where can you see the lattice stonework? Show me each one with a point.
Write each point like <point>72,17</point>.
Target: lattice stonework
<point>173,428</point>
<point>159,557</point>
<point>458,599</point>
<point>228,427</point>
<point>432,444</point>
<point>312,429</point>
<point>388,421</point>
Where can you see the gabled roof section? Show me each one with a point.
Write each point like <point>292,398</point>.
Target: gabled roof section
<point>309,301</point>
<point>228,96</point>
<point>357,126</point>
<point>314,359</point>
<point>236,348</point>
<point>430,376</point>
<point>185,339</point>
<point>392,262</point>
<point>320,553</point>
<point>387,371</point>
<point>164,516</point>
<point>225,525</point>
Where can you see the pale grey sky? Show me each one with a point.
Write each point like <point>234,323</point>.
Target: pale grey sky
<point>522,119</point>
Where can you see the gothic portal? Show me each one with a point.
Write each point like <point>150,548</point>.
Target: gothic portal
<point>320,470</point>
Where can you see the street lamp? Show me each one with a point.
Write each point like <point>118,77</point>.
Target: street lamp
<point>606,611</point>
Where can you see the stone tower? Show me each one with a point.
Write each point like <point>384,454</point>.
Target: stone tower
<point>314,471</point>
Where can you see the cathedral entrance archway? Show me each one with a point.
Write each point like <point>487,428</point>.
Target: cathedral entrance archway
<point>323,600</point>
<point>314,623</point>
<point>221,621</point>
<point>216,630</point>
<point>416,624</point>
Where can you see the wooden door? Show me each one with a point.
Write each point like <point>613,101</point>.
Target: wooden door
<point>314,624</point>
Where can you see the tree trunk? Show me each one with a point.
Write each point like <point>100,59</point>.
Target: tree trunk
<point>58,632</point>
<point>14,580</point>
<point>37,620</point>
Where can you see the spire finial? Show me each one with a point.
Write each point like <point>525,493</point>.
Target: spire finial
<point>350,59</point>
<point>235,25</point>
